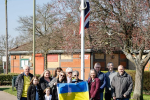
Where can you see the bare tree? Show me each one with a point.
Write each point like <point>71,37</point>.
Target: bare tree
<point>11,44</point>
<point>48,34</point>
<point>46,20</point>
<point>123,25</point>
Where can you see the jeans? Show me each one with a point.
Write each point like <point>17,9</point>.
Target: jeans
<point>101,95</point>
<point>23,98</point>
<point>122,99</point>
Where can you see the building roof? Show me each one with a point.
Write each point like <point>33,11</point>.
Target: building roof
<point>28,48</point>
<point>24,47</point>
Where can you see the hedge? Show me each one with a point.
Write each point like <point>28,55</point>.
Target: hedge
<point>6,79</point>
<point>146,81</point>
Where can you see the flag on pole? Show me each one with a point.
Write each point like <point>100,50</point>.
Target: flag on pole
<point>73,91</point>
<point>86,16</point>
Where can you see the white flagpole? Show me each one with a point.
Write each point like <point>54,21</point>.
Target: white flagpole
<point>82,39</point>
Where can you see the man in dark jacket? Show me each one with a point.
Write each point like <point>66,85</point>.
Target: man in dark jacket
<point>121,85</point>
<point>22,83</point>
<point>102,78</point>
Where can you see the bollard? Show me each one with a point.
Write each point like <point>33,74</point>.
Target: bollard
<point>13,82</point>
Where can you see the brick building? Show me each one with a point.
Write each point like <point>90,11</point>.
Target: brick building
<point>57,58</point>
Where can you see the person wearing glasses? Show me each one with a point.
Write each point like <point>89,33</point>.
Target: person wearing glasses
<point>61,78</point>
<point>75,75</point>
<point>102,78</point>
<point>69,74</point>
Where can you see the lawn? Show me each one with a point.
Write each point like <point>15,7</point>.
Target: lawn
<point>9,90</point>
<point>145,97</point>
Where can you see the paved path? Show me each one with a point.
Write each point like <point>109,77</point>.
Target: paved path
<point>5,95</point>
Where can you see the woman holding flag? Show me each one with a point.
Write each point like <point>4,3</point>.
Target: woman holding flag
<point>75,76</point>
<point>61,78</point>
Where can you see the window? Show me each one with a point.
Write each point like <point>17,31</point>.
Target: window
<point>24,62</point>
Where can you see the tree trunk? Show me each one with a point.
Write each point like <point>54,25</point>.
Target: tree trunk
<point>45,61</point>
<point>138,89</point>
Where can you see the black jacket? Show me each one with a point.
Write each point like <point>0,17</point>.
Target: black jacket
<point>20,83</point>
<point>31,94</point>
<point>76,81</point>
<point>122,85</point>
<point>44,84</point>
<point>54,88</point>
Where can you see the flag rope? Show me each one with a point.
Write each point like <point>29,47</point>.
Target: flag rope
<point>84,7</point>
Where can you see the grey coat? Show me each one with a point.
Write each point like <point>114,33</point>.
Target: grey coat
<point>122,85</point>
<point>20,83</point>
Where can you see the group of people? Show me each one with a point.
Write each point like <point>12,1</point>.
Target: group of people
<point>117,85</point>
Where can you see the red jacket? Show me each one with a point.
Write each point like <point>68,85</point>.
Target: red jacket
<point>94,88</point>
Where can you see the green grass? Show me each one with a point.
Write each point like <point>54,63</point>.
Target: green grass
<point>9,90</point>
<point>145,97</point>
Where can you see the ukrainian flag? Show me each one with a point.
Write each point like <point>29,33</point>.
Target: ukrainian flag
<point>73,91</point>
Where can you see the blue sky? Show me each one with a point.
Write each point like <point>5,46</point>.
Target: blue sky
<point>16,9</point>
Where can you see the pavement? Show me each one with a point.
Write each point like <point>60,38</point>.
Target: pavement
<point>5,95</point>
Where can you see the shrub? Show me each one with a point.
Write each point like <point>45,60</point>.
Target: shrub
<point>6,79</point>
<point>146,81</point>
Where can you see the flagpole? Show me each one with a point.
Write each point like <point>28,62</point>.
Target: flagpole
<point>34,9</point>
<point>6,37</point>
<point>82,40</point>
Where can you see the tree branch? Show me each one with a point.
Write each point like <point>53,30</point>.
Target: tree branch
<point>141,51</point>
<point>145,60</point>
<point>129,56</point>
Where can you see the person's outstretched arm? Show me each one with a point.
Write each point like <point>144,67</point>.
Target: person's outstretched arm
<point>104,83</point>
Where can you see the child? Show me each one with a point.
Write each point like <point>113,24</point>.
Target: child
<point>47,94</point>
<point>34,91</point>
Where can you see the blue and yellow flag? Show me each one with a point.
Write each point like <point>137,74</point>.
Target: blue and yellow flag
<point>73,91</point>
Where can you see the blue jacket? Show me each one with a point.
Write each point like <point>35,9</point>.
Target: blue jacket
<point>102,78</point>
<point>109,77</point>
